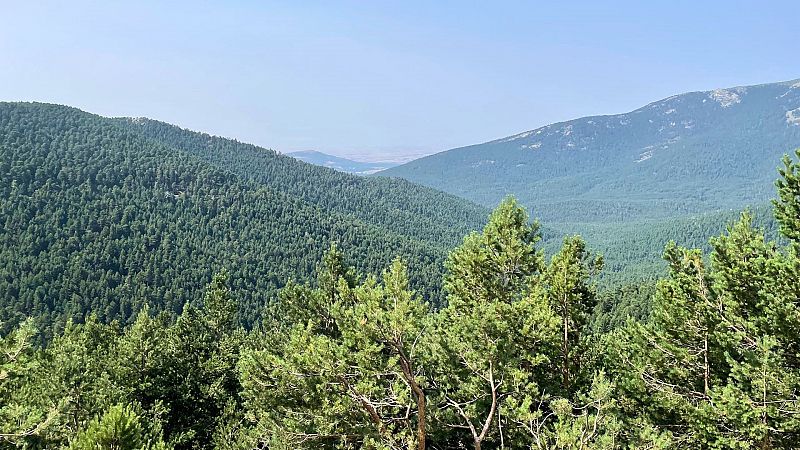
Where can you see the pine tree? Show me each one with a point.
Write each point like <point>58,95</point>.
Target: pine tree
<point>718,361</point>
<point>569,291</point>
<point>219,306</point>
<point>119,428</point>
<point>349,374</point>
<point>494,334</point>
<point>787,206</point>
<point>202,351</point>
<point>24,414</point>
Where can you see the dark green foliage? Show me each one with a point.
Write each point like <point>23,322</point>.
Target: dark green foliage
<point>495,336</point>
<point>717,365</point>
<point>395,205</point>
<point>787,207</point>
<point>119,428</point>
<point>616,306</point>
<point>571,294</point>
<point>633,251</point>
<point>350,371</point>
<point>154,384</point>
<point>497,263</point>
<point>106,216</point>
<point>22,413</point>
<point>520,358</point>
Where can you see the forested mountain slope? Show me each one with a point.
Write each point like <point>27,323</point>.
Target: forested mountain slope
<point>397,205</point>
<point>357,362</point>
<point>687,154</point>
<point>97,215</point>
<point>634,250</point>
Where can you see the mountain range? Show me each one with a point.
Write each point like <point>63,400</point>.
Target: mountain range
<point>692,153</point>
<point>678,169</point>
<point>110,214</point>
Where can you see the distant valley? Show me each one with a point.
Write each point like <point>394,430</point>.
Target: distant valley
<point>342,164</point>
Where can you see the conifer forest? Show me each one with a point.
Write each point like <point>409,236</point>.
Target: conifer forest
<point>613,281</point>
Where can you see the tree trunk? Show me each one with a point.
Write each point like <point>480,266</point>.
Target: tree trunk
<point>565,348</point>
<point>706,366</point>
<point>421,405</point>
<point>419,394</point>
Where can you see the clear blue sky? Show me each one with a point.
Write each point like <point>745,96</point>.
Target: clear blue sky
<point>385,78</point>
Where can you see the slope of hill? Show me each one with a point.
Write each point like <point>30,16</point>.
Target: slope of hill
<point>105,215</point>
<point>687,154</point>
<point>342,164</point>
<point>633,250</point>
<point>397,205</point>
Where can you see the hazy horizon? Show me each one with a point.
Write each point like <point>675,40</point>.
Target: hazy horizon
<point>372,82</point>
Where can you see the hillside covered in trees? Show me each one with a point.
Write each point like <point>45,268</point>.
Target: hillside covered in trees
<point>688,154</point>
<point>163,288</point>
<point>514,360</point>
<point>107,215</point>
<point>676,169</point>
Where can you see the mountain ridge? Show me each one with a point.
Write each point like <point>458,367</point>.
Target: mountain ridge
<point>791,83</point>
<point>398,201</point>
<point>692,140</point>
<point>109,215</point>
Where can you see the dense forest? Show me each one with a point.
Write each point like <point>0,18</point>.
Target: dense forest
<point>633,250</point>
<point>396,205</point>
<point>523,353</point>
<point>109,215</point>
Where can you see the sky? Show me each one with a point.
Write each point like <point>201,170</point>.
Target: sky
<point>382,80</point>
